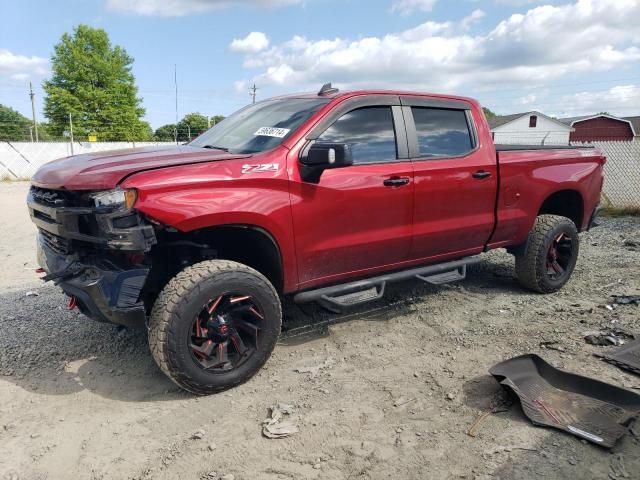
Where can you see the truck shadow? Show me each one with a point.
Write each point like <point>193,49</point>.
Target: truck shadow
<point>49,350</point>
<point>308,322</point>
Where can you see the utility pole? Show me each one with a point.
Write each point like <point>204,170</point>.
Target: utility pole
<point>33,110</point>
<point>252,91</point>
<point>71,133</point>
<point>175,81</point>
<point>189,130</point>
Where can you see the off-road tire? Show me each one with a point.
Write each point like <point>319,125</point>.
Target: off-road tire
<point>176,307</point>
<point>531,266</point>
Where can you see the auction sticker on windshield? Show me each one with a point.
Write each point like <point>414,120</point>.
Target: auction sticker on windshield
<point>272,132</point>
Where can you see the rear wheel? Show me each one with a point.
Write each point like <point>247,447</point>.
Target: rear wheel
<point>214,325</point>
<point>550,255</point>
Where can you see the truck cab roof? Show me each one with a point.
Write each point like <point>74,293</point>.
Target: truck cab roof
<point>341,95</point>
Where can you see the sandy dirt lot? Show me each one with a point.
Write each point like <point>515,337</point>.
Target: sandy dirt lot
<point>400,384</point>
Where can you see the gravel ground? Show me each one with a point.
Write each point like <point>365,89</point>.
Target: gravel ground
<point>398,385</point>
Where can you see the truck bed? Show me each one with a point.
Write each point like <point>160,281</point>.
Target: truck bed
<point>531,174</point>
<point>512,148</point>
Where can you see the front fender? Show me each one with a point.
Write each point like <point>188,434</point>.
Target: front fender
<point>203,196</point>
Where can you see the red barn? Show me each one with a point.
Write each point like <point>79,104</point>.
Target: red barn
<point>600,128</point>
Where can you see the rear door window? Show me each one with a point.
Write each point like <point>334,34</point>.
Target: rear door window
<point>370,133</point>
<point>442,132</point>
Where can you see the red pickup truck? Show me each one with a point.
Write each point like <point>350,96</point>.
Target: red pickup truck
<point>327,197</point>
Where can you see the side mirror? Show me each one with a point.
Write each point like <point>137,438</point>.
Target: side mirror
<point>322,156</point>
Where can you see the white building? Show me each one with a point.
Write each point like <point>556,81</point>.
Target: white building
<point>530,128</point>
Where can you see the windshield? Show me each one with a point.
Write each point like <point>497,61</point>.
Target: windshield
<point>261,126</point>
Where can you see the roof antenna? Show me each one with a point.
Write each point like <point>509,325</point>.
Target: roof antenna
<point>327,89</point>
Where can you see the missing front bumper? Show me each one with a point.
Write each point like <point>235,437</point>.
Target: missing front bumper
<point>104,291</point>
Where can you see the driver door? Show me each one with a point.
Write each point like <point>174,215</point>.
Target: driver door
<point>357,219</point>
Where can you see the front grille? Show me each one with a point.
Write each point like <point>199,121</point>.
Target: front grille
<point>59,198</point>
<point>57,244</point>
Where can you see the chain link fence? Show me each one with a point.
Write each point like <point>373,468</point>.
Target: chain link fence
<point>621,173</point>
<point>20,160</point>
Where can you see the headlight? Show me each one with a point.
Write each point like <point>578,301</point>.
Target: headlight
<point>115,199</point>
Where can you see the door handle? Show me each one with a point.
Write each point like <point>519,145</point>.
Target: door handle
<point>396,181</point>
<point>480,174</point>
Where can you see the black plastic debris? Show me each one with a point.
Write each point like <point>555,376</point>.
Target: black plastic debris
<point>626,299</point>
<point>627,357</point>
<point>590,409</point>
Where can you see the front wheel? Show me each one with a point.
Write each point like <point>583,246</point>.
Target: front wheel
<point>214,325</point>
<point>550,254</point>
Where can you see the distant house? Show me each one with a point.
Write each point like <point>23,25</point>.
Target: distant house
<point>529,128</point>
<point>603,127</point>
<point>635,123</point>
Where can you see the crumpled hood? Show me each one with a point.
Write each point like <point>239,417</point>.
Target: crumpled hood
<point>104,170</point>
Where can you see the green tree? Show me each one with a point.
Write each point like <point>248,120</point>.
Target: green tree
<point>192,125</point>
<point>165,133</point>
<point>216,119</point>
<point>13,125</point>
<point>92,81</point>
<point>146,131</point>
<point>488,113</point>
<point>44,132</point>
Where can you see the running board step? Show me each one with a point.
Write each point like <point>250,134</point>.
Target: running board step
<point>337,302</point>
<point>362,291</point>
<point>360,296</point>
<point>459,273</point>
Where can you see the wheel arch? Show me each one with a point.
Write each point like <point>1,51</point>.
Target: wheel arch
<point>566,203</point>
<point>249,244</point>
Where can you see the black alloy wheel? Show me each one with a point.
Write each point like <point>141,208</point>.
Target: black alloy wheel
<point>559,256</point>
<point>549,255</point>
<point>226,332</point>
<point>214,325</point>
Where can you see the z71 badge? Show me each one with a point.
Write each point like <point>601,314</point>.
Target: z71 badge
<point>262,167</point>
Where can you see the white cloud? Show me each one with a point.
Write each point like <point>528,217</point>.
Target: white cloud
<point>405,7</point>
<point>544,43</point>
<point>176,8</point>
<point>252,43</point>
<point>517,3</point>
<point>527,99</point>
<point>475,16</point>
<point>20,67</point>
<point>622,100</point>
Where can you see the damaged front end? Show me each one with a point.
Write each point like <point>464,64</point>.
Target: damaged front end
<point>94,245</point>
